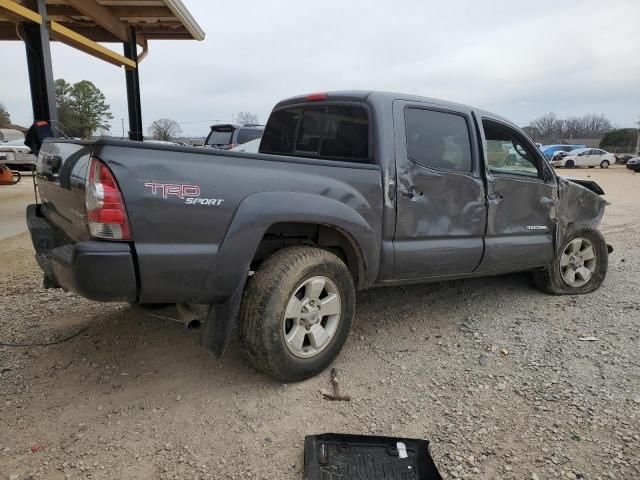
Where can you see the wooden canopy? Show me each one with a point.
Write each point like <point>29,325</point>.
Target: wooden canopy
<point>108,20</point>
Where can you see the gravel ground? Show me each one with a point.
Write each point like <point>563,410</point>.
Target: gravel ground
<point>498,376</point>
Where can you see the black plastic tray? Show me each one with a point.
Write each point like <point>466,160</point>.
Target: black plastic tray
<point>336,456</point>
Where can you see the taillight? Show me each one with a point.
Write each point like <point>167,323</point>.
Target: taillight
<point>106,215</point>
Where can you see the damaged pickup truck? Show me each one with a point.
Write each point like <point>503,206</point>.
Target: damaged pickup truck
<point>349,190</point>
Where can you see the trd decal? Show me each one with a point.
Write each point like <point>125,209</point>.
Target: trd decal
<point>189,193</point>
<point>167,189</point>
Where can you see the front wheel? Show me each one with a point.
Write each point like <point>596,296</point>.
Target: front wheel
<point>604,164</point>
<point>580,265</point>
<point>569,164</point>
<point>296,312</point>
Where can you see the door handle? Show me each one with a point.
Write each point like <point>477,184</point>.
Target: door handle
<point>410,192</point>
<point>495,197</point>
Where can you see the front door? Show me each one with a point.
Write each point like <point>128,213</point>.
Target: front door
<point>521,201</point>
<point>441,215</point>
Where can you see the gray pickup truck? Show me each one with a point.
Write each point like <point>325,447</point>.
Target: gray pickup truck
<point>350,190</point>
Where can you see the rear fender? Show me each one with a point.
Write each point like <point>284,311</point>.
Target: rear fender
<point>257,212</point>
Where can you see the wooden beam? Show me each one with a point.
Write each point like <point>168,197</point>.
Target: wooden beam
<point>73,39</point>
<point>102,16</point>
<point>15,11</point>
<point>118,11</point>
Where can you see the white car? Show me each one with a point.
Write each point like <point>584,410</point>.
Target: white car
<point>16,154</point>
<point>585,157</point>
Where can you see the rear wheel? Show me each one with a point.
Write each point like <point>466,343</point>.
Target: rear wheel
<point>604,164</point>
<point>580,265</point>
<point>569,164</point>
<point>296,312</point>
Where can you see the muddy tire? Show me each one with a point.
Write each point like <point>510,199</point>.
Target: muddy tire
<point>580,266</point>
<point>296,312</point>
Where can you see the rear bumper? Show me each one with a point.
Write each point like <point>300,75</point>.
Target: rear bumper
<point>102,271</point>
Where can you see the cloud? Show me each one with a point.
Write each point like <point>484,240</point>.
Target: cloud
<point>517,59</point>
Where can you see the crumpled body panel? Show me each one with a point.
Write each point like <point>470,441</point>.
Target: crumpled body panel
<point>577,205</point>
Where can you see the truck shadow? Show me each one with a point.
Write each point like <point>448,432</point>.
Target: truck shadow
<point>126,344</point>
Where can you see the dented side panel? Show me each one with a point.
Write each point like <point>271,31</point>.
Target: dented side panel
<point>520,224</point>
<point>441,215</point>
<point>577,205</point>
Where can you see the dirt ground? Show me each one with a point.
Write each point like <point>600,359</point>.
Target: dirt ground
<point>493,372</point>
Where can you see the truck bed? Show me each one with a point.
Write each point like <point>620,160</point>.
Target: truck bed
<point>186,205</point>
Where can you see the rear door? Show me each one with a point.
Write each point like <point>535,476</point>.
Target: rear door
<point>597,157</point>
<point>441,214</point>
<point>587,159</point>
<point>521,200</point>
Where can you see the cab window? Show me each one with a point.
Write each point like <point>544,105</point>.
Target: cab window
<point>333,132</point>
<point>438,139</point>
<point>507,152</point>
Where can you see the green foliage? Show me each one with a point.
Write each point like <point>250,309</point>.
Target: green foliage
<point>82,108</point>
<point>5,118</point>
<point>619,138</point>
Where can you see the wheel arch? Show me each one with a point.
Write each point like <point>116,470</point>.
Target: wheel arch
<point>329,237</point>
<point>338,225</point>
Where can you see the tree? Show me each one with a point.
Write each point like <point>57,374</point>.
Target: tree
<point>246,118</point>
<point>621,137</point>
<point>595,125</point>
<point>82,108</point>
<point>546,125</point>
<point>550,129</point>
<point>5,118</point>
<point>67,116</point>
<point>164,129</point>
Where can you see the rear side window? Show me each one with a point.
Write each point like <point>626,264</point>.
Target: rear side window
<point>346,134</point>
<point>279,134</point>
<point>438,139</point>
<point>335,132</point>
<point>247,134</point>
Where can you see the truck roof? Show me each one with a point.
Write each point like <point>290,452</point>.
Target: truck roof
<point>382,96</point>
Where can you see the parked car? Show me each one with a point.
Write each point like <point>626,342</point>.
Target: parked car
<point>227,136</point>
<point>349,190</point>
<point>559,154</point>
<point>249,147</point>
<point>623,158</point>
<point>586,157</point>
<point>634,164</point>
<point>549,150</point>
<point>16,155</point>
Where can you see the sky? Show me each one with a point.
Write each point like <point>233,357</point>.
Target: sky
<point>517,59</point>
